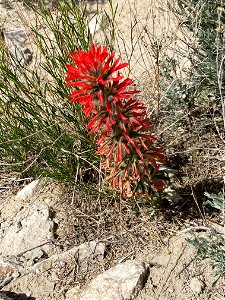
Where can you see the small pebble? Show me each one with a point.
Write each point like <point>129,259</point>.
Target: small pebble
<point>196,285</point>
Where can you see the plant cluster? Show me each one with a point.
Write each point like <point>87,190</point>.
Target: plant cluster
<point>203,81</point>
<point>215,200</point>
<point>119,122</point>
<point>208,58</point>
<point>211,248</point>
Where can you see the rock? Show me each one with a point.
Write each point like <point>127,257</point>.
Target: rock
<point>3,296</point>
<point>15,41</point>
<point>196,285</point>
<point>5,269</point>
<point>27,191</point>
<point>31,228</point>
<point>33,256</point>
<point>82,254</point>
<point>44,279</point>
<point>90,249</point>
<point>219,297</point>
<point>122,282</point>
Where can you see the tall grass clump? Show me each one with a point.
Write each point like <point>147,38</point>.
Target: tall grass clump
<point>40,132</point>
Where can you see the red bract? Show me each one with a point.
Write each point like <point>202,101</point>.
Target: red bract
<point>119,122</point>
<point>138,176</point>
<point>92,75</point>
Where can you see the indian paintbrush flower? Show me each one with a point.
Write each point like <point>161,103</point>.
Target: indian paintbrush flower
<point>119,122</point>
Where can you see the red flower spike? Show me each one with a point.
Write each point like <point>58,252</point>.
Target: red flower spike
<point>137,149</point>
<point>143,144</point>
<point>119,122</point>
<point>102,148</point>
<point>107,64</point>
<point>119,77</point>
<point>112,121</point>
<point>96,128</point>
<point>121,116</point>
<point>89,110</point>
<point>92,123</point>
<point>76,93</point>
<point>101,81</point>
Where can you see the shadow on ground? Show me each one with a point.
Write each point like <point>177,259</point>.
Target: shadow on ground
<point>192,200</point>
<point>16,296</point>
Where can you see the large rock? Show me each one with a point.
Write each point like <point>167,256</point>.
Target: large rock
<point>122,282</point>
<point>31,227</point>
<point>83,254</point>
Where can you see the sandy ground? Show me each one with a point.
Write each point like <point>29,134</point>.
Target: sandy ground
<point>146,32</point>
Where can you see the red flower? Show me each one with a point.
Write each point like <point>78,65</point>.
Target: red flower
<point>119,122</point>
<point>93,74</point>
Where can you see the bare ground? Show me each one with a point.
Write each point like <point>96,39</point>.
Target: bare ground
<point>129,232</point>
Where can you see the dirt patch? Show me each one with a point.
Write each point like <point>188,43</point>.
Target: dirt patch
<point>177,273</point>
